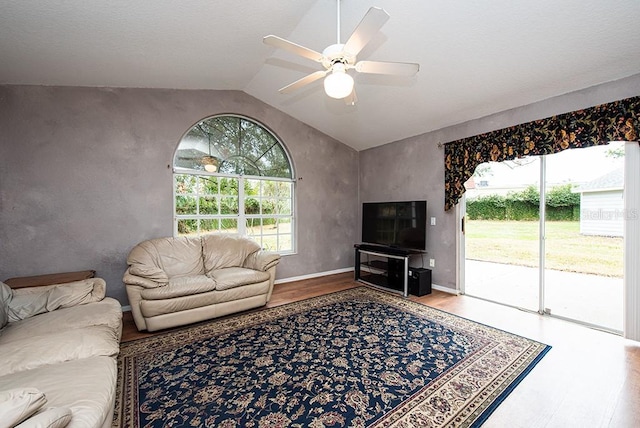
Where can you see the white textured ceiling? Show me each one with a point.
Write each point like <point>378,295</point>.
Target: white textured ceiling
<point>476,57</point>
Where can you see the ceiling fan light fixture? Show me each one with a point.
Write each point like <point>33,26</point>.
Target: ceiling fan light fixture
<point>338,84</point>
<point>210,163</point>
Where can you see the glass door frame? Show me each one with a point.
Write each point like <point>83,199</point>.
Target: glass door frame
<point>542,310</point>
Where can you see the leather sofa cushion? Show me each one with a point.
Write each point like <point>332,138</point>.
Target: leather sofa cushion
<point>222,251</point>
<point>152,308</point>
<point>86,387</point>
<point>163,258</point>
<point>180,286</point>
<point>233,277</point>
<point>65,345</point>
<point>107,312</point>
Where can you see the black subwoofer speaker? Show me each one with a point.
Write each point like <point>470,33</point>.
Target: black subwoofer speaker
<point>419,281</point>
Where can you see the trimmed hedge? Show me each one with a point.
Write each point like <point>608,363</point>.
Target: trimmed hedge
<point>561,205</point>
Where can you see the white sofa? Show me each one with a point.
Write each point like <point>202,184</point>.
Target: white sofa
<point>58,349</point>
<point>177,281</point>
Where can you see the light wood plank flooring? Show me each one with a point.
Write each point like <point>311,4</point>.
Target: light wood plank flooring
<point>588,379</point>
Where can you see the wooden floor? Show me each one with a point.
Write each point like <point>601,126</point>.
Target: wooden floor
<point>588,379</point>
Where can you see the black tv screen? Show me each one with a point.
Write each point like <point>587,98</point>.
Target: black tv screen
<point>395,224</point>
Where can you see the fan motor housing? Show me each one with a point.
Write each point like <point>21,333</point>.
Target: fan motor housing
<point>335,53</point>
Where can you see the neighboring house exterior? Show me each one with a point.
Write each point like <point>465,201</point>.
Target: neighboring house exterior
<point>602,205</point>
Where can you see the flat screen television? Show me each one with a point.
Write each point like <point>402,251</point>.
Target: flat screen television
<point>395,224</point>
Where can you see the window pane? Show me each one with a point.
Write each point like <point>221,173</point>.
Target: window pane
<point>208,205</point>
<point>187,226</point>
<point>269,188</point>
<point>269,206</point>
<point>209,225</point>
<point>229,205</point>
<point>270,243</point>
<point>185,184</point>
<point>251,206</point>
<point>253,226</point>
<point>285,243</point>
<point>228,186</point>
<point>269,225</point>
<point>284,206</point>
<point>284,225</point>
<point>252,187</point>
<point>229,225</point>
<point>209,185</point>
<point>186,205</point>
<point>284,189</point>
<point>235,145</point>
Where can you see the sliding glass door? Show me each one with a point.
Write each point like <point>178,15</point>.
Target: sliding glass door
<point>583,276</point>
<point>545,234</point>
<point>502,230</point>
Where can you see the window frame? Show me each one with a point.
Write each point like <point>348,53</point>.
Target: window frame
<point>241,217</point>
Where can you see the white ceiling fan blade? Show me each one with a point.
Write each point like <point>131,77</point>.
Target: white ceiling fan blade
<point>302,82</point>
<point>278,42</point>
<point>379,67</point>
<point>366,29</point>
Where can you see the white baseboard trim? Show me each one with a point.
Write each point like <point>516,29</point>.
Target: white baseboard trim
<point>445,289</point>
<point>127,308</point>
<point>333,272</point>
<point>312,275</point>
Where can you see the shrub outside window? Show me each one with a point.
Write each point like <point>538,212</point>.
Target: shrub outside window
<point>232,175</point>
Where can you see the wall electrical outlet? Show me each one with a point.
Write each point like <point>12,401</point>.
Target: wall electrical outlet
<point>432,262</point>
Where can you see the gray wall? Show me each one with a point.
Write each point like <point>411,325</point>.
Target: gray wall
<point>85,175</point>
<point>414,168</point>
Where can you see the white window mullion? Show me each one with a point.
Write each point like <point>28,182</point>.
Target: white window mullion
<point>242,221</point>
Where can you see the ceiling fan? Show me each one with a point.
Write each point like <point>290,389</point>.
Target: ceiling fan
<point>339,59</point>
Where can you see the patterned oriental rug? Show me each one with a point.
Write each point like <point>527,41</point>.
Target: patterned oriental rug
<point>359,357</point>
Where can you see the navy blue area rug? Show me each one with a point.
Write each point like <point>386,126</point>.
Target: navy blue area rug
<point>356,358</point>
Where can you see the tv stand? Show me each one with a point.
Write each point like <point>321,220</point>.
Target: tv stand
<point>392,274</point>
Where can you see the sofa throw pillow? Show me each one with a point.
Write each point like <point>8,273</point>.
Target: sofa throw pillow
<point>53,417</point>
<point>47,299</point>
<point>16,405</point>
<point>5,298</point>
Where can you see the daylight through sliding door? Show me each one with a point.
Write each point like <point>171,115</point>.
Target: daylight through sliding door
<point>583,276</point>
<point>568,265</point>
<point>501,233</point>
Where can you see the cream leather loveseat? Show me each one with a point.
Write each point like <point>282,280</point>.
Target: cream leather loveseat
<point>177,281</point>
<point>58,349</point>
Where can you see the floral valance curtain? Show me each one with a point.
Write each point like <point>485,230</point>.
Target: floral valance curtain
<point>616,121</point>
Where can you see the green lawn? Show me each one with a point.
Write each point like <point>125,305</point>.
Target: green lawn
<point>516,242</point>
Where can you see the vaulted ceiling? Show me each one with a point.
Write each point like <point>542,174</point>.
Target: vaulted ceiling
<point>476,57</point>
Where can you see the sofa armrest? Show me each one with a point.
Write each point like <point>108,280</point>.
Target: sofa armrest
<point>30,301</point>
<point>152,273</point>
<point>131,279</point>
<point>261,260</point>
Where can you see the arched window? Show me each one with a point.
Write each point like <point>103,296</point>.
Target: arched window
<point>232,175</point>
